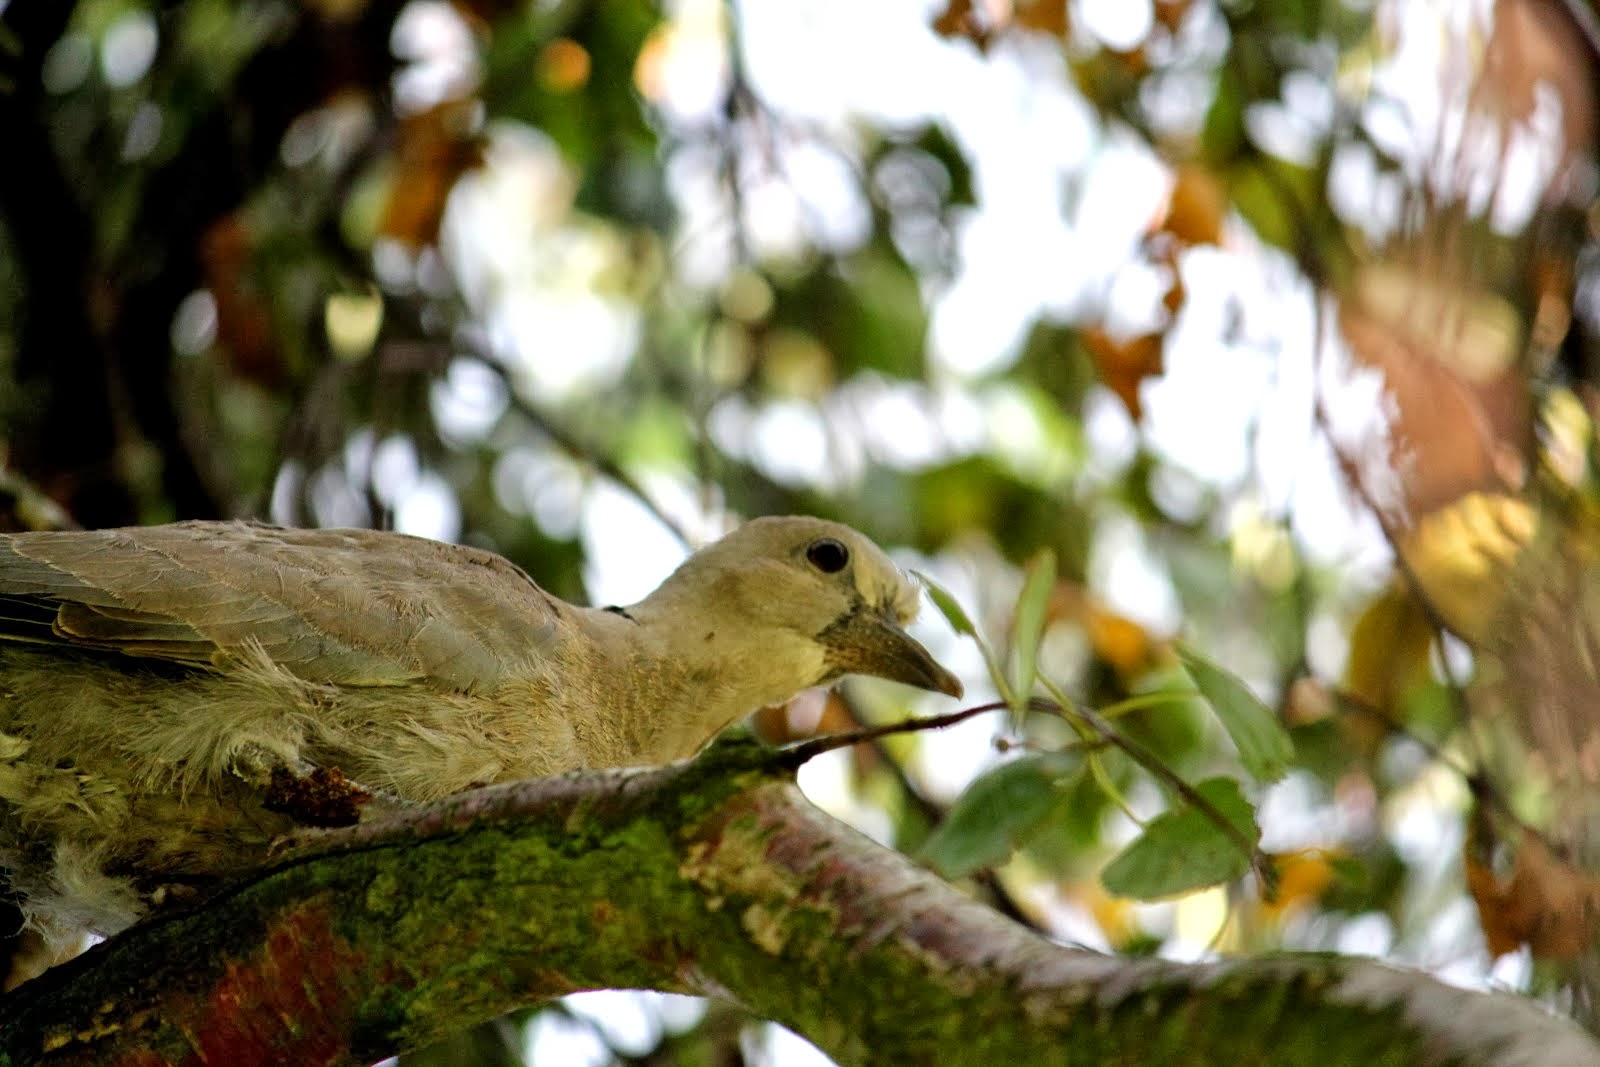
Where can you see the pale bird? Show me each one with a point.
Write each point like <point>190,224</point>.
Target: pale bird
<point>175,699</point>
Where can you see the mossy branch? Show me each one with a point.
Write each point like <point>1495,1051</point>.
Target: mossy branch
<point>715,876</point>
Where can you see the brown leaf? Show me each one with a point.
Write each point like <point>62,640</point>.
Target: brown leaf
<point>1045,16</point>
<point>1537,52</point>
<point>961,19</point>
<point>1171,13</point>
<point>809,715</point>
<point>1196,206</point>
<point>1461,420</point>
<point>1547,904</point>
<point>771,724</point>
<point>1175,295</point>
<point>436,147</point>
<point>1123,364</point>
<point>982,23</point>
<point>244,320</point>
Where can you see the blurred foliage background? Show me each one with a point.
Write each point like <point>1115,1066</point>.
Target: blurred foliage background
<point>1271,320</point>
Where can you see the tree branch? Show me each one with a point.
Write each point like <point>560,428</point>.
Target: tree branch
<point>714,876</point>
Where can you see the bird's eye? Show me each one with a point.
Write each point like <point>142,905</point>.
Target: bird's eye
<point>827,555</point>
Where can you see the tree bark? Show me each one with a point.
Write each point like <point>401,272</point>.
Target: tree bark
<point>715,877</point>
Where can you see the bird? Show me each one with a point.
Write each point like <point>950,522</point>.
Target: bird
<point>176,700</point>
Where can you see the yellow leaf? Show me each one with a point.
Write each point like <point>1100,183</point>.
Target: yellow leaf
<point>1462,556</point>
<point>1389,646</point>
<point>1302,878</point>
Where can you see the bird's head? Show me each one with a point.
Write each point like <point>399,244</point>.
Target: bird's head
<point>815,591</point>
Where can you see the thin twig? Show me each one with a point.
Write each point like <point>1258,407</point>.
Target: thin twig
<point>1408,574</point>
<point>578,449</point>
<point>1430,609</point>
<point>1192,796</point>
<point>796,756</point>
<point>994,887</point>
<point>1477,782</point>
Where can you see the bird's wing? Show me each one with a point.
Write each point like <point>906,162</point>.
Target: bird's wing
<point>355,607</point>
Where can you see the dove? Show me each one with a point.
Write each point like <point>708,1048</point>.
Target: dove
<point>174,700</point>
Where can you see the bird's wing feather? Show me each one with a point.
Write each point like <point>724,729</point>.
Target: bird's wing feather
<point>350,606</point>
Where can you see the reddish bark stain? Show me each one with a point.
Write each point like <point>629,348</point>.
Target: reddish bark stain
<point>291,1001</point>
<point>297,976</point>
<point>141,1058</point>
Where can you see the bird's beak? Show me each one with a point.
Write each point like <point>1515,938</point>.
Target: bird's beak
<point>865,641</point>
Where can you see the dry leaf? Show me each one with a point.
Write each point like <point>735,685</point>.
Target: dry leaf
<point>436,147</point>
<point>1547,904</point>
<point>1196,206</point>
<point>244,320</point>
<point>1123,364</point>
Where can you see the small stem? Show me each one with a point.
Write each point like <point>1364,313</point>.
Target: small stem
<point>1482,789</point>
<point>1192,796</point>
<point>581,450</point>
<point>1109,788</point>
<point>796,756</point>
<point>1140,701</point>
<point>1000,897</point>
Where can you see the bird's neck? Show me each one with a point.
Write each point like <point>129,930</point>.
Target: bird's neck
<point>696,672</point>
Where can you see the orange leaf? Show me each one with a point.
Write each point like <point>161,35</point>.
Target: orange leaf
<point>1046,16</point>
<point>244,319</point>
<point>1116,639</point>
<point>961,19</point>
<point>1170,13</point>
<point>1196,206</point>
<point>1123,364</point>
<point>436,147</point>
<point>1302,878</point>
<point>1547,904</point>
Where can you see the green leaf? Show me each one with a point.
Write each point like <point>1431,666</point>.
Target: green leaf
<point>961,624</point>
<point>940,146</point>
<point>1263,744</point>
<point>1029,627</point>
<point>998,813</point>
<point>866,309</point>
<point>947,604</point>
<point>1184,849</point>
<point>1223,131</point>
<point>1282,201</point>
